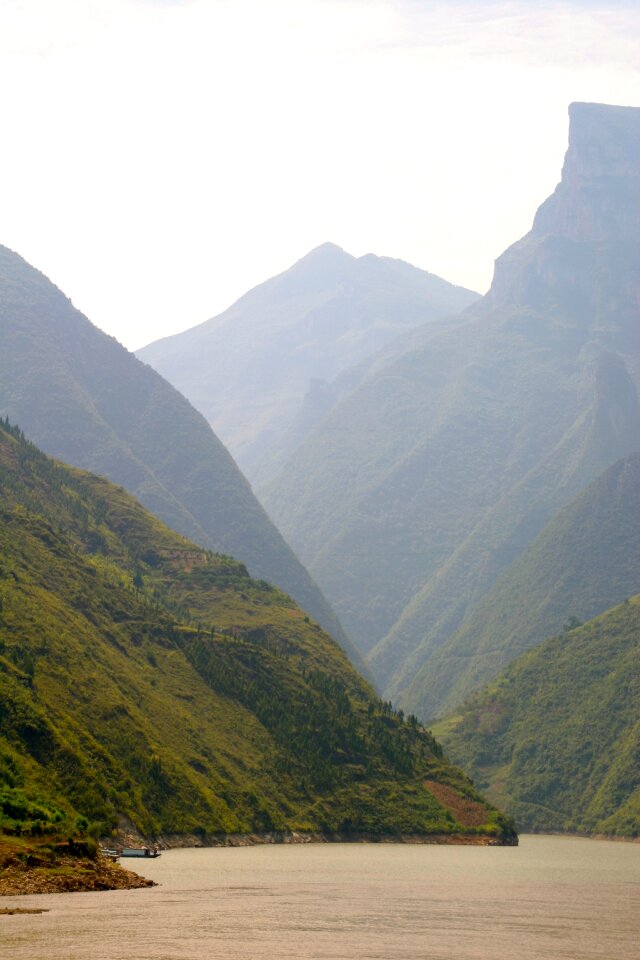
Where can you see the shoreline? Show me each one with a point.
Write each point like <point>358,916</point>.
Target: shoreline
<point>580,836</point>
<point>181,841</point>
<point>41,868</point>
<point>78,878</point>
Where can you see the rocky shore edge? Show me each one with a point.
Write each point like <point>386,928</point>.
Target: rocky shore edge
<point>62,871</point>
<point>175,841</point>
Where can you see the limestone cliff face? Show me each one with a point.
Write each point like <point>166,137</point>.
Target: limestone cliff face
<point>596,204</point>
<point>597,197</point>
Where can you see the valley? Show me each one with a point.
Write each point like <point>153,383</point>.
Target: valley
<point>425,630</point>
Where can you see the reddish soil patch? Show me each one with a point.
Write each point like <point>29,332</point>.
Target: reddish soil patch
<point>467,812</point>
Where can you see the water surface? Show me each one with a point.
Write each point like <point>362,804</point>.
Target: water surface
<point>548,899</point>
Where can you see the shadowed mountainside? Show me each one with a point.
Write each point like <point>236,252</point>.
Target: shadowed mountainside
<point>586,560</point>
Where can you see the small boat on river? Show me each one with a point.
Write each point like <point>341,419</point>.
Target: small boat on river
<point>138,852</point>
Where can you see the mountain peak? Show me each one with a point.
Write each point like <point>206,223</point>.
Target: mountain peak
<point>604,141</point>
<point>326,257</point>
<point>327,250</point>
<point>326,264</point>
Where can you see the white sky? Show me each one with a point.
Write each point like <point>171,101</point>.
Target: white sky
<point>161,157</point>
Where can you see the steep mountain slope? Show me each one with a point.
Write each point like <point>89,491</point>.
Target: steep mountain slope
<point>586,560</point>
<point>82,397</point>
<point>417,490</point>
<point>146,680</point>
<point>555,738</point>
<point>322,396</point>
<point>248,369</point>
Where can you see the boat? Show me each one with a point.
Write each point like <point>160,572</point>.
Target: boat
<point>138,852</point>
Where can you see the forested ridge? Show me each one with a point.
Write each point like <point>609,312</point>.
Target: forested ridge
<point>555,738</point>
<point>147,681</point>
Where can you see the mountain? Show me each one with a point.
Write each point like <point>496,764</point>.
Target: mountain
<point>416,491</point>
<point>85,399</point>
<point>249,369</point>
<point>586,560</point>
<point>323,395</point>
<point>555,739</point>
<point>147,683</point>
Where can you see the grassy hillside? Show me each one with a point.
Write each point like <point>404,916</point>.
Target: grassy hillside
<point>586,560</point>
<point>555,739</point>
<point>420,488</point>
<point>145,680</point>
<point>83,398</point>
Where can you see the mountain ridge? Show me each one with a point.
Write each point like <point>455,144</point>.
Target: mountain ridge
<point>87,400</point>
<point>555,737</point>
<point>249,368</point>
<point>585,560</point>
<point>148,682</point>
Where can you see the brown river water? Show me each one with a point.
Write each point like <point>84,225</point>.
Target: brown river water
<point>548,899</point>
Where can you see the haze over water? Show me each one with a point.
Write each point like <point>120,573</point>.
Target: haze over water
<point>549,899</point>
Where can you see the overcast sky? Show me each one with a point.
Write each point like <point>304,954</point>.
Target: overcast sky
<point>161,157</point>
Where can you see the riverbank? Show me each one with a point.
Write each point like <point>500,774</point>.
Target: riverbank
<point>181,841</point>
<point>46,865</point>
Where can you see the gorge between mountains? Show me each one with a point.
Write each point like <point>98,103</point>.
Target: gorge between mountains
<point>416,621</point>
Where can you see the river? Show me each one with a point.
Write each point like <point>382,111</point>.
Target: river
<point>548,899</point>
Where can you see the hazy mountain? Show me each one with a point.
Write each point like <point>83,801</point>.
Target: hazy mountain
<point>586,560</point>
<point>555,739</point>
<point>417,490</point>
<point>82,397</point>
<point>323,395</point>
<point>249,369</point>
<point>145,680</point>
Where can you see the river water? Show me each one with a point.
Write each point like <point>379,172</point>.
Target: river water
<point>548,899</point>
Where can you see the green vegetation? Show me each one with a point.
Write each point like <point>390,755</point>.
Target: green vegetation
<point>555,739</point>
<point>146,681</point>
<point>83,398</point>
<point>586,560</point>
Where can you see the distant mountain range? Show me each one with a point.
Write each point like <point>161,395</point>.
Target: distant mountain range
<point>555,739</point>
<point>249,369</point>
<point>419,489</point>
<point>85,399</point>
<point>149,684</point>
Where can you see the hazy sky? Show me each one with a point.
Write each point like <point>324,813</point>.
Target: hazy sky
<point>160,157</point>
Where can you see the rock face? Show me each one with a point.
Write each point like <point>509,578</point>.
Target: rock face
<point>598,196</point>
<point>84,399</point>
<point>249,369</point>
<point>416,491</point>
<point>593,211</point>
